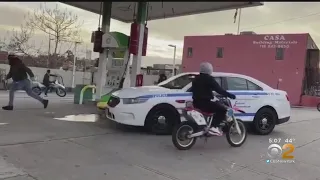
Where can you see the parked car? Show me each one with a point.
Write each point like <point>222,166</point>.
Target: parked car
<point>157,108</point>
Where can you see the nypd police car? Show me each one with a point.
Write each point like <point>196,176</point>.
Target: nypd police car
<point>157,107</point>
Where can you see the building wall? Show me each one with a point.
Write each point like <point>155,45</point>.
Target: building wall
<point>252,55</point>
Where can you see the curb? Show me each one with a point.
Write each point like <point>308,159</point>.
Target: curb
<point>302,107</point>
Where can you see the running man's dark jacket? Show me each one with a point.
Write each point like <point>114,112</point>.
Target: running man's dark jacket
<point>19,71</point>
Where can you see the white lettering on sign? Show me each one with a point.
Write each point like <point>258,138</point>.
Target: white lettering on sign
<point>274,37</point>
<point>275,41</point>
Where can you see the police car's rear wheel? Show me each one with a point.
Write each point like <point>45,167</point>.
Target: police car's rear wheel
<point>160,120</point>
<point>264,121</point>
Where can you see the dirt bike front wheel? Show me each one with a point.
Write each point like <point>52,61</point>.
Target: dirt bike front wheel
<point>232,131</point>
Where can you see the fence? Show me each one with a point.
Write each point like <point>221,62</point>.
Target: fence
<point>80,77</point>
<point>311,85</point>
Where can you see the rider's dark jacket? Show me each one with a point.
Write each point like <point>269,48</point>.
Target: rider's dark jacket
<point>46,79</point>
<point>203,86</point>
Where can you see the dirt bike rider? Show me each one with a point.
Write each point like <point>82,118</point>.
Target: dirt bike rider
<point>46,81</point>
<point>202,93</point>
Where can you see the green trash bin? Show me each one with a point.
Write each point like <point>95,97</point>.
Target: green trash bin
<point>87,95</point>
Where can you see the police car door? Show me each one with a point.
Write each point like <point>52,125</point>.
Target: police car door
<point>247,99</point>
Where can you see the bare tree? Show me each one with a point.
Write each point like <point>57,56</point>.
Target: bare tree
<point>61,25</point>
<point>19,40</point>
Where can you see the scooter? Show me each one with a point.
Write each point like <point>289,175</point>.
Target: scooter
<point>194,125</point>
<point>38,88</point>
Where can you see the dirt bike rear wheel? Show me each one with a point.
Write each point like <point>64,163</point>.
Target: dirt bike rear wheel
<point>179,135</point>
<point>37,90</point>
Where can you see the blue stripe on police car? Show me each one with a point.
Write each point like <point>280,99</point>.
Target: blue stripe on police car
<point>190,94</point>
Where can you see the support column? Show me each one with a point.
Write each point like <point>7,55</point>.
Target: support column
<point>102,68</point>
<point>136,60</point>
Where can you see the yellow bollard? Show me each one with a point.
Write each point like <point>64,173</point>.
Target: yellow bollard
<point>84,89</point>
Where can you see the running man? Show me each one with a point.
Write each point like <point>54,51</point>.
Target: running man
<point>19,73</point>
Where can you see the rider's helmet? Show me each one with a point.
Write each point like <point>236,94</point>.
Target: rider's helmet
<point>206,68</point>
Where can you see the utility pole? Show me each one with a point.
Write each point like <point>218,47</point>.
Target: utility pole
<point>48,61</point>
<point>174,59</point>
<point>74,63</point>
<point>239,19</point>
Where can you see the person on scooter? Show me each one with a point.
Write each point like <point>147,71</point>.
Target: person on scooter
<point>202,93</point>
<point>19,73</point>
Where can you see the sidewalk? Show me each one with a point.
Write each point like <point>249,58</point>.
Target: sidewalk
<point>22,94</point>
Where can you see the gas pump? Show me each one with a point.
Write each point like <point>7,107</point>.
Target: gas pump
<point>118,59</point>
<point>2,79</point>
<point>120,47</point>
<point>118,64</point>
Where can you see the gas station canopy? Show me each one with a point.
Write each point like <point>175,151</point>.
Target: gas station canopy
<point>125,11</point>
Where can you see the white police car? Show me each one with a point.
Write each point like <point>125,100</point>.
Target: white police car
<point>156,107</point>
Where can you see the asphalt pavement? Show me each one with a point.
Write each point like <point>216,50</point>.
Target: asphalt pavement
<point>70,142</point>
<point>22,97</point>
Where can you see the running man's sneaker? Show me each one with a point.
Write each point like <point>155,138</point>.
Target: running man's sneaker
<point>215,131</point>
<point>7,108</point>
<point>45,103</point>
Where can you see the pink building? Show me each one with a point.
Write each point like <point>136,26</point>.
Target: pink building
<point>288,62</point>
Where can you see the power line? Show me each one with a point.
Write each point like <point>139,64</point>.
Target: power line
<point>285,20</point>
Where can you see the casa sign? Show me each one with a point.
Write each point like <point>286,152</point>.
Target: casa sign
<point>274,41</point>
<point>274,38</point>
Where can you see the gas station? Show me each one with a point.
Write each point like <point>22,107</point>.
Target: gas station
<point>116,49</point>
<point>68,141</point>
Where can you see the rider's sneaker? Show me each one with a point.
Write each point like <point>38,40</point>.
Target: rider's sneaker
<point>215,131</point>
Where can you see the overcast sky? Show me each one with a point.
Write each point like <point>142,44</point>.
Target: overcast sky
<point>273,17</point>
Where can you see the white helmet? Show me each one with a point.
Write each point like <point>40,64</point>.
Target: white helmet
<point>206,68</point>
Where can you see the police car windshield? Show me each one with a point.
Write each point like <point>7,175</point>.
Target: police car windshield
<point>178,83</point>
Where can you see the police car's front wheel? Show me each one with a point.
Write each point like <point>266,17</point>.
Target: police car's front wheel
<point>161,120</point>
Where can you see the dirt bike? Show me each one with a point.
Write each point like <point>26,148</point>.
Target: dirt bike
<point>197,124</point>
<point>38,88</point>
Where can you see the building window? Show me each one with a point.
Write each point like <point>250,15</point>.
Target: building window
<point>279,53</point>
<point>189,51</point>
<point>219,52</point>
